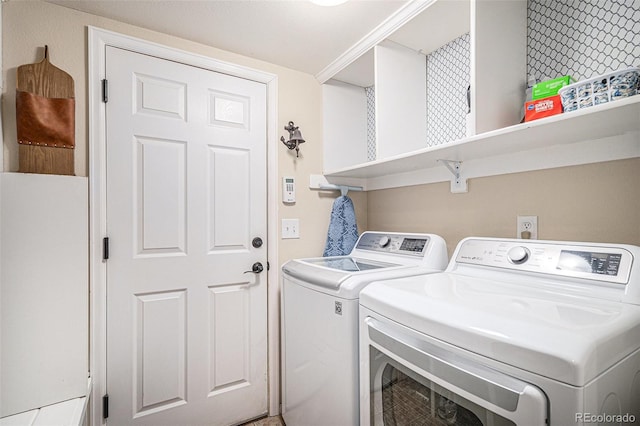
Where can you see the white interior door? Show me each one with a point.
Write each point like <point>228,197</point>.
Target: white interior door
<point>186,195</point>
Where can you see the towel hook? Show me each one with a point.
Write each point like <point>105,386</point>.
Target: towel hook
<point>320,182</point>
<point>344,189</point>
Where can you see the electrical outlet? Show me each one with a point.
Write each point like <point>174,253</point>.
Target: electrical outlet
<point>527,227</point>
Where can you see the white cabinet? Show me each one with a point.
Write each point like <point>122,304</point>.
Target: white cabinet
<point>498,143</point>
<point>358,128</point>
<point>498,63</point>
<point>400,99</point>
<point>387,86</point>
<point>396,68</point>
<point>44,290</point>
<point>345,131</point>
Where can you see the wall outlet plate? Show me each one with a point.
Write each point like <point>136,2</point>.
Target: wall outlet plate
<point>527,227</point>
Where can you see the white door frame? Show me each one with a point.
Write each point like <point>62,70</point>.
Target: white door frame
<point>99,39</point>
<point>1,87</point>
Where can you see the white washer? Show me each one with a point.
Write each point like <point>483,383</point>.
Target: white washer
<point>320,321</point>
<point>513,332</point>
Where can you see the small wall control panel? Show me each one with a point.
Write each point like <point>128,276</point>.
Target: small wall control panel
<point>393,243</point>
<point>602,263</point>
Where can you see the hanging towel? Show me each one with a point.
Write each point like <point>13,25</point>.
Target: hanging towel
<point>343,231</point>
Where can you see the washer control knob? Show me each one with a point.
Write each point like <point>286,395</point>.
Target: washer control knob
<point>518,255</point>
<point>384,241</point>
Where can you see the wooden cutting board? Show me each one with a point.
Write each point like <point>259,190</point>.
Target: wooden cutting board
<point>44,79</point>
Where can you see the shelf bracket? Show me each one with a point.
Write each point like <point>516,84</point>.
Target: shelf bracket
<point>458,183</point>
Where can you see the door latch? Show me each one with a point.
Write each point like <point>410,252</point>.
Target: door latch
<point>256,268</point>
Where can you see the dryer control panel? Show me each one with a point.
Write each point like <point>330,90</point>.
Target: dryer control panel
<point>608,263</point>
<point>393,243</point>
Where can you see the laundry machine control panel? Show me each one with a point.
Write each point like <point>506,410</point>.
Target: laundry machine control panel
<point>605,262</point>
<point>393,243</point>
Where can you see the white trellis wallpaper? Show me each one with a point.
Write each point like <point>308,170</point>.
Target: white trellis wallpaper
<point>371,123</point>
<point>448,71</point>
<point>582,38</point>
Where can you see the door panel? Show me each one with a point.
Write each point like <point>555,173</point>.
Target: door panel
<point>186,194</point>
<point>228,110</point>
<point>229,227</point>
<point>160,193</point>
<point>229,352</point>
<point>160,336</point>
<point>160,97</point>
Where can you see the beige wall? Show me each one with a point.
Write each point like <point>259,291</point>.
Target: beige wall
<point>595,202</point>
<point>28,25</point>
<point>599,202</point>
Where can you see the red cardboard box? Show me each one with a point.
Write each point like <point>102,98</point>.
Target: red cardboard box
<point>541,108</point>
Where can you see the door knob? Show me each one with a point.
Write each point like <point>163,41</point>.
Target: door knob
<point>256,268</point>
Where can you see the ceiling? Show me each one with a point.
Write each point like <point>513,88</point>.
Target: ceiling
<point>295,34</point>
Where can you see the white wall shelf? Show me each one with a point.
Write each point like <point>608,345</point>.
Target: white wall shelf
<point>390,65</point>
<point>497,56</point>
<point>600,133</point>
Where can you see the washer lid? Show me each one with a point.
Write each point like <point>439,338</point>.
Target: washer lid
<point>348,264</point>
<point>563,337</point>
<point>331,273</point>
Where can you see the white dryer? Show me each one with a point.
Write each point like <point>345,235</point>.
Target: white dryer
<point>320,321</point>
<point>514,332</point>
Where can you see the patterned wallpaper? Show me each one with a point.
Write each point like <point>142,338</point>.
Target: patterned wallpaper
<point>581,38</point>
<point>447,81</point>
<point>372,150</point>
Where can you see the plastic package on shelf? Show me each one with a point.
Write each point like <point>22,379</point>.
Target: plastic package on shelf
<point>601,89</point>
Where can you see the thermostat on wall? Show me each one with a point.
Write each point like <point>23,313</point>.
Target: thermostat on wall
<point>288,190</point>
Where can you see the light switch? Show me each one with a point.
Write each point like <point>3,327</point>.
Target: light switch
<point>290,228</point>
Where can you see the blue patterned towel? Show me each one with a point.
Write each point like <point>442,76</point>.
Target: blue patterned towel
<point>343,231</point>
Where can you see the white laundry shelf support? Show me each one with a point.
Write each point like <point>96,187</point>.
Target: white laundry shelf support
<point>458,183</point>
<point>321,183</point>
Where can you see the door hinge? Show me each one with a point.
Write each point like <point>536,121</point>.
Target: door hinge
<point>105,91</point>
<point>105,248</point>
<point>105,406</point>
<point>268,266</point>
